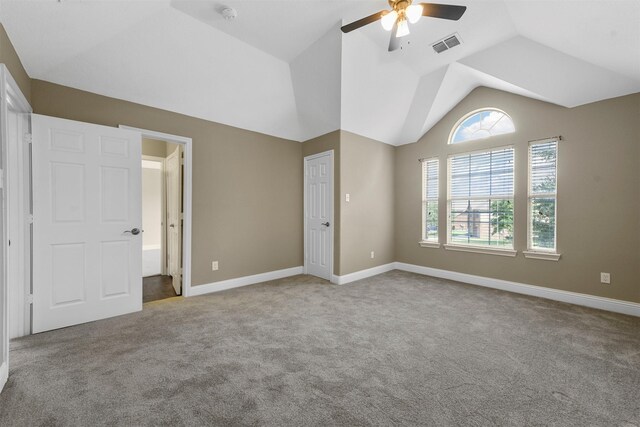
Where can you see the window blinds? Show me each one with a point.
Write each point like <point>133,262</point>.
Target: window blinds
<point>543,167</point>
<point>482,175</point>
<point>430,186</point>
<point>481,191</point>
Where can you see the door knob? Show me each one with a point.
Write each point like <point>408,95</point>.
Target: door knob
<point>134,231</point>
<point>326,224</point>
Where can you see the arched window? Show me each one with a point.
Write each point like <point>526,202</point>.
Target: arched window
<point>481,124</point>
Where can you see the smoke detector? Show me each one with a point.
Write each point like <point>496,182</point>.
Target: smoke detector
<point>229,13</point>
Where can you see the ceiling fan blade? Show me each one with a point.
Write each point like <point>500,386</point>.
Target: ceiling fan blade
<point>362,22</point>
<point>394,43</point>
<point>443,11</point>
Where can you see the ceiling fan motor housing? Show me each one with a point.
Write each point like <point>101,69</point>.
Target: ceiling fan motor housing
<point>399,5</point>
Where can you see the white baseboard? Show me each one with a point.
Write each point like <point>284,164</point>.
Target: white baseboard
<point>602,303</point>
<point>363,274</point>
<point>4,375</point>
<point>244,281</point>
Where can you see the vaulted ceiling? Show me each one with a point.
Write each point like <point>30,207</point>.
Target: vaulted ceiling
<point>284,68</point>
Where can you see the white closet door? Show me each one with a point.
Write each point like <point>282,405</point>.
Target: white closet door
<point>318,215</point>
<point>87,242</point>
<point>174,218</point>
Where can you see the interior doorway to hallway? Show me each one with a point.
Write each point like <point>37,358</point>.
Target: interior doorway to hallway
<point>162,218</point>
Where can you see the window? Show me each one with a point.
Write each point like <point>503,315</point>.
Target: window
<point>543,162</point>
<point>481,124</point>
<point>430,170</point>
<point>480,200</point>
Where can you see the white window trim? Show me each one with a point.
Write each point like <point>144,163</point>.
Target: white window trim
<point>479,249</point>
<point>547,256</point>
<point>437,200</point>
<point>429,244</point>
<point>541,253</point>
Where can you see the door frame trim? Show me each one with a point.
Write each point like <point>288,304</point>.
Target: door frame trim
<point>329,153</point>
<point>187,144</point>
<point>9,93</point>
<point>21,269</point>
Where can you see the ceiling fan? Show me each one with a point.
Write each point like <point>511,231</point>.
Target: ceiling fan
<point>402,14</point>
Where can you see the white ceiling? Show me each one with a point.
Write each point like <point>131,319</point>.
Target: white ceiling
<point>283,67</point>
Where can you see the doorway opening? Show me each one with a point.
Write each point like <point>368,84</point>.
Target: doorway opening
<point>162,219</point>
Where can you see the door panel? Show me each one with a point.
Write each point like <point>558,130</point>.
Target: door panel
<point>114,265</point>
<point>87,265</point>
<point>114,201</point>
<point>174,218</point>
<point>67,192</point>
<point>68,274</point>
<point>318,215</point>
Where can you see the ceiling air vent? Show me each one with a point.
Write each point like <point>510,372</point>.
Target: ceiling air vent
<point>440,47</point>
<point>447,43</point>
<point>452,41</point>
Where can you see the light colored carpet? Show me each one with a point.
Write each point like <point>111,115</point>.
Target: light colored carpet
<point>396,349</point>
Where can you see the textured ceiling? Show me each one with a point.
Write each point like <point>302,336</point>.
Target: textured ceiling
<point>284,68</point>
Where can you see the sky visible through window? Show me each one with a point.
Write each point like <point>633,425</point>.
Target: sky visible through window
<point>483,124</point>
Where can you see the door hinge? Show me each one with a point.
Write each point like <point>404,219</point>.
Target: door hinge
<point>29,219</point>
<point>30,299</point>
<point>28,138</point>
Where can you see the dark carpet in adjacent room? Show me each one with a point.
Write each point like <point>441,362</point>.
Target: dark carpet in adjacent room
<point>155,288</point>
<point>395,349</point>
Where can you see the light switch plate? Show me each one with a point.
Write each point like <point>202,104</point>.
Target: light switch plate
<point>605,278</point>
<point>347,197</point>
<point>214,265</point>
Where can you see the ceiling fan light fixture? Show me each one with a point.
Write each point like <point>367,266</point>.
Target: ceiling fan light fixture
<point>413,13</point>
<point>388,20</point>
<point>403,28</point>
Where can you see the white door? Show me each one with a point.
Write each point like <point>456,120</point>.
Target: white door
<point>4,245</point>
<point>4,242</point>
<point>174,218</point>
<point>19,228</point>
<point>87,246</point>
<point>319,215</point>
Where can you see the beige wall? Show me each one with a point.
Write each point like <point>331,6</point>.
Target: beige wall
<point>247,187</point>
<point>153,147</point>
<point>364,169</point>
<point>598,194</point>
<point>367,220</point>
<point>151,206</point>
<point>247,195</point>
<point>330,141</point>
<point>9,57</point>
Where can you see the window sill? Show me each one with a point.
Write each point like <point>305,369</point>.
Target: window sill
<point>548,256</point>
<point>426,244</point>
<point>481,250</point>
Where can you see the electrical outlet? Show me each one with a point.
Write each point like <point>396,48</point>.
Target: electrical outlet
<point>347,197</point>
<point>605,278</point>
<point>373,255</point>
<point>214,265</point>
